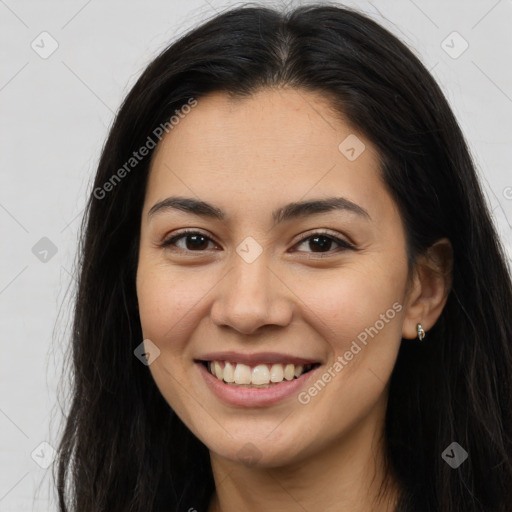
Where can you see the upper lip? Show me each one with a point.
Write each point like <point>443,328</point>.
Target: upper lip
<point>260,357</point>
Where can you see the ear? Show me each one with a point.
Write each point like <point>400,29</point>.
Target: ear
<point>431,284</point>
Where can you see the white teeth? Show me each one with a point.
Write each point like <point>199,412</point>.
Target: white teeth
<point>242,374</point>
<point>289,371</point>
<point>276,373</point>
<point>260,375</point>
<point>298,370</point>
<point>217,368</point>
<point>229,372</point>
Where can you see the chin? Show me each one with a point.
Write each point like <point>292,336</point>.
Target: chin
<point>262,453</point>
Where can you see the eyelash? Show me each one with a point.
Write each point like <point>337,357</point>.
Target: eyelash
<point>342,243</point>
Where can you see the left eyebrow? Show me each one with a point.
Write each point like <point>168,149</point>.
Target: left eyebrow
<point>280,215</point>
<point>305,208</point>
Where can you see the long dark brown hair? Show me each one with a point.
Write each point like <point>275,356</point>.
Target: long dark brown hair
<point>122,447</point>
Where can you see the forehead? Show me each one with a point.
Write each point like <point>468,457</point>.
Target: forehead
<point>275,146</point>
<point>272,124</point>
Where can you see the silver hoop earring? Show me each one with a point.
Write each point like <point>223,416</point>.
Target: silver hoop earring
<point>421,332</point>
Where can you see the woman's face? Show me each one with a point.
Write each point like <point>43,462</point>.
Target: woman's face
<point>262,283</point>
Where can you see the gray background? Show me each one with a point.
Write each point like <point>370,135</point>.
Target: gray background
<point>55,114</point>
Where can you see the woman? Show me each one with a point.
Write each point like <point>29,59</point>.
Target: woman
<point>291,296</point>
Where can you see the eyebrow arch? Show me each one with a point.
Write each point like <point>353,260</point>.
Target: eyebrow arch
<point>283,214</point>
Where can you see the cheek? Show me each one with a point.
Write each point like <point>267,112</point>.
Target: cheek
<point>346,301</point>
<point>155,313</point>
<point>157,300</point>
<point>170,302</point>
<point>166,309</point>
<point>358,313</point>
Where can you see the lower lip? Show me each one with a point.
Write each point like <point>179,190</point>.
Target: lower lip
<point>254,397</point>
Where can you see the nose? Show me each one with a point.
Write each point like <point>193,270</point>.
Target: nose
<point>250,296</point>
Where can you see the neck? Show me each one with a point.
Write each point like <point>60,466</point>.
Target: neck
<point>347,476</point>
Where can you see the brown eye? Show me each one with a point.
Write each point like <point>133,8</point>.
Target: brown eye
<point>322,243</point>
<point>193,241</point>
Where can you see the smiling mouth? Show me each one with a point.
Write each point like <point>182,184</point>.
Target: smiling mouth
<point>257,376</point>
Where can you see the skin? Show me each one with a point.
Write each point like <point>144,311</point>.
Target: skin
<point>248,157</point>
